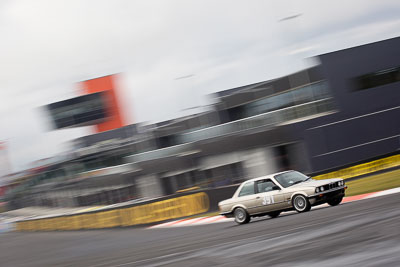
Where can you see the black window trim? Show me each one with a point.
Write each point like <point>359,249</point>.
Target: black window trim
<point>370,80</point>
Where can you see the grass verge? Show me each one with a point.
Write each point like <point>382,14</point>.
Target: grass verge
<point>374,183</point>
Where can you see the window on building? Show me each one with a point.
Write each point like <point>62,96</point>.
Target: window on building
<point>181,181</point>
<point>236,113</point>
<point>282,157</point>
<point>166,141</point>
<point>168,185</point>
<point>247,189</point>
<point>308,93</point>
<point>378,78</point>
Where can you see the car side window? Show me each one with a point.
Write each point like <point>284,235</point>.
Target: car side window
<point>247,189</point>
<point>265,185</point>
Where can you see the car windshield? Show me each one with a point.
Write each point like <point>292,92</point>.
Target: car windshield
<point>291,178</point>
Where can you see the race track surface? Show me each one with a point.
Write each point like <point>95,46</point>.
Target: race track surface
<point>363,233</point>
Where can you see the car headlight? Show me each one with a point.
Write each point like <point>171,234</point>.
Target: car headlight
<point>321,188</point>
<point>341,183</point>
<point>317,190</point>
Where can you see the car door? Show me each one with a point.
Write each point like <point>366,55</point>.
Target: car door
<point>247,197</point>
<point>269,197</point>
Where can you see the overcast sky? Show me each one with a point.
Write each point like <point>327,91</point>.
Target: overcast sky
<point>48,46</point>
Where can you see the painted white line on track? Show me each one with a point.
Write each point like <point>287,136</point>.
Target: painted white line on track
<point>384,193</point>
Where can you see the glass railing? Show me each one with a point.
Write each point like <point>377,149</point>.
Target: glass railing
<point>160,153</point>
<point>106,171</point>
<point>267,119</point>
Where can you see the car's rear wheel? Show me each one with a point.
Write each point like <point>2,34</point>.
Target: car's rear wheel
<point>301,203</point>
<point>241,216</point>
<point>335,201</point>
<point>274,214</point>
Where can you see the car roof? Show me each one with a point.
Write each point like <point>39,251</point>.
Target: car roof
<point>267,176</point>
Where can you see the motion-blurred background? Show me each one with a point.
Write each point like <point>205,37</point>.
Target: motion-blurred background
<point>104,102</point>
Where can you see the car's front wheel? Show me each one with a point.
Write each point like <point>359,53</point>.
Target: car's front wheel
<point>241,216</point>
<point>335,201</point>
<point>301,203</point>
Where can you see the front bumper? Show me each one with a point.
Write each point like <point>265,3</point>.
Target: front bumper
<point>327,192</point>
<point>323,197</point>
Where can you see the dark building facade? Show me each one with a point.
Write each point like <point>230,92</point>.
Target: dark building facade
<point>365,84</point>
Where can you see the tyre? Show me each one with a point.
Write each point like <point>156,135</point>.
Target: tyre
<point>301,203</point>
<point>241,216</point>
<point>274,214</point>
<point>335,201</point>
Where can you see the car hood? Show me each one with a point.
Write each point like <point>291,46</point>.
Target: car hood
<point>315,183</point>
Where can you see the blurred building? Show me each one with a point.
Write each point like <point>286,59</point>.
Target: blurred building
<point>98,106</point>
<point>5,167</point>
<point>341,112</point>
<point>114,113</point>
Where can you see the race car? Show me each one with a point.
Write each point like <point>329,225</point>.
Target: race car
<point>284,191</point>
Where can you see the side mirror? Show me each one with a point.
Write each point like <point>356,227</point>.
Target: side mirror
<point>275,187</point>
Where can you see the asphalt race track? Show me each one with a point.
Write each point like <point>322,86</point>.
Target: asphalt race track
<point>363,233</point>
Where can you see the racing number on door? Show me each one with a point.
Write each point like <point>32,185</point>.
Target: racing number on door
<point>267,200</point>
